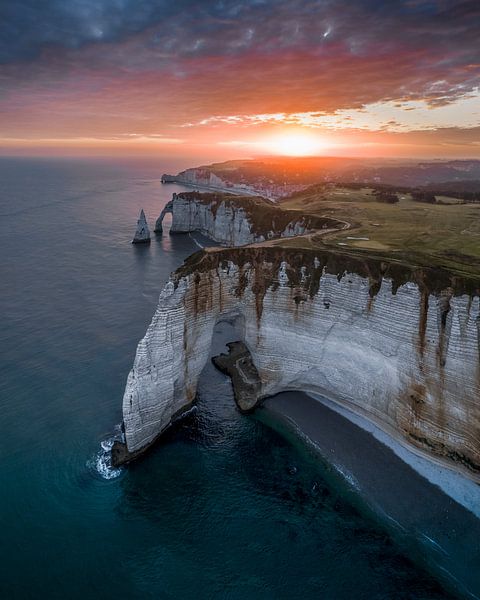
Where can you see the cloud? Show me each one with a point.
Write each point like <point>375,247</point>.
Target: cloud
<point>106,67</point>
<point>28,26</point>
<point>386,116</point>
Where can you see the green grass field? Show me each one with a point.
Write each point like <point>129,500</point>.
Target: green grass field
<point>426,234</point>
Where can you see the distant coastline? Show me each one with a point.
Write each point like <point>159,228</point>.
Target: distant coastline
<point>211,188</point>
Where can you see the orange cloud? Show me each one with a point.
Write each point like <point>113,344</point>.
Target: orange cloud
<point>228,71</point>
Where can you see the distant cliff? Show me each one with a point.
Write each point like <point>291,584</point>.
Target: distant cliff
<point>207,178</point>
<point>236,220</point>
<point>276,177</point>
<point>396,344</point>
<point>203,177</point>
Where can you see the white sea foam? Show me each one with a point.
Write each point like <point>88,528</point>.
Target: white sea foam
<point>187,413</point>
<point>349,478</point>
<point>102,461</point>
<point>196,242</point>
<point>433,543</point>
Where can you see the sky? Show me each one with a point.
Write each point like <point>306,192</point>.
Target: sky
<point>225,79</point>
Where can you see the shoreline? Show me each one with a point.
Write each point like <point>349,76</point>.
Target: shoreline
<point>427,504</point>
<point>459,484</point>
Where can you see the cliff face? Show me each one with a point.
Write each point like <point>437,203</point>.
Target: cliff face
<point>399,346</point>
<point>198,176</point>
<point>238,220</point>
<point>204,177</point>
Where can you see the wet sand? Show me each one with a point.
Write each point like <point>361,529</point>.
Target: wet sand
<point>441,532</point>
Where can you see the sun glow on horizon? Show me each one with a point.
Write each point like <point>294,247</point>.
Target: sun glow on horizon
<point>295,144</point>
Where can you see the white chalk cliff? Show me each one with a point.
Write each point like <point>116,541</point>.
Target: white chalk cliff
<point>397,345</point>
<point>237,221</point>
<point>206,178</point>
<point>203,177</point>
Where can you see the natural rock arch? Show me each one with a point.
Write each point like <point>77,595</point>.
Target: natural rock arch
<point>168,208</point>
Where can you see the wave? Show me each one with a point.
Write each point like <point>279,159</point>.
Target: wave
<point>349,478</point>
<point>101,463</point>
<point>196,242</point>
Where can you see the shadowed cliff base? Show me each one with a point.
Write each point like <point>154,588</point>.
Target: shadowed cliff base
<point>121,455</point>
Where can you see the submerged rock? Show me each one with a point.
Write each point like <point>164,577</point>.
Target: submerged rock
<point>142,233</point>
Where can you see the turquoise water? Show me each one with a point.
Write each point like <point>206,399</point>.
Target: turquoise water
<point>224,507</point>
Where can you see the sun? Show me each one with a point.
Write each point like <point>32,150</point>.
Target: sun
<point>295,144</point>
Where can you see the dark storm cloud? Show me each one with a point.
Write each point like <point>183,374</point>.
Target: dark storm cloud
<point>27,26</point>
<point>200,27</point>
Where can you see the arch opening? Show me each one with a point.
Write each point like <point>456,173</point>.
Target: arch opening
<point>230,354</point>
<point>167,209</point>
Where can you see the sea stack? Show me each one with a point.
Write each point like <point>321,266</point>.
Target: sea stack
<point>142,233</point>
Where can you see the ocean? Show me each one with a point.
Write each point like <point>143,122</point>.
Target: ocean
<point>226,506</point>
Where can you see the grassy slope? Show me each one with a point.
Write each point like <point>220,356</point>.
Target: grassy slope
<point>424,234</point>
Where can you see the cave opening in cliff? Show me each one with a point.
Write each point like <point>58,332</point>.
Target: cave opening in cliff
<point>229,328</point>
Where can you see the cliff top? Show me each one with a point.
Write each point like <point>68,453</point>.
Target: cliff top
<point>441,236</point>
<point>444,233</point>
<point>425,213</point>
<point>269,257</point>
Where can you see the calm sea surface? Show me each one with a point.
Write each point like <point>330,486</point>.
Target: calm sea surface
<point>224,508</point>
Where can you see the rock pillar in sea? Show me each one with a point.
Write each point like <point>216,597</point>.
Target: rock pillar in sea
<point>142,233</point>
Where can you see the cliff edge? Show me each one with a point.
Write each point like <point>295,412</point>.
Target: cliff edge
<point>240,220</point>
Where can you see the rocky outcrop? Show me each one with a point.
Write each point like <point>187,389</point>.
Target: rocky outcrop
<point>238,220</point>
<point>395,344</point>
<point>239,366</point>
<point>142,233</point>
